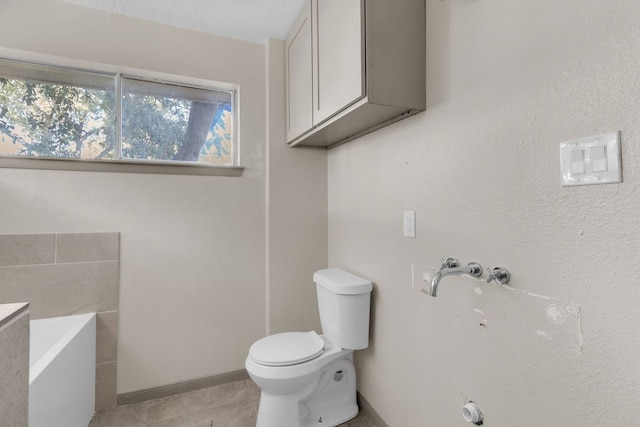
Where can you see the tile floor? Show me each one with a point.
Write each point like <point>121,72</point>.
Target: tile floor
<point>233,404</point>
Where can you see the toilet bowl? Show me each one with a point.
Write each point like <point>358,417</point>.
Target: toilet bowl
<point>307,379</point>
<point>319,390</point>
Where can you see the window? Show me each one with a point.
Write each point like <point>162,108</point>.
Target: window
<point>53,112</point>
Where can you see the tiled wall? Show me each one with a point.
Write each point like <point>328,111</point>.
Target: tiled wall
<point>63,274</point>
<point>14,364</point>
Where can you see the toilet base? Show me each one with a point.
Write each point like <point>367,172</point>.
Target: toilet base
<point>275,407</point>
<point>333,419</point>
<point>329,401</point>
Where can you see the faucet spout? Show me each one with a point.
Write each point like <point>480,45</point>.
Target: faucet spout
<point>450,268</point>
<point>433,289</point>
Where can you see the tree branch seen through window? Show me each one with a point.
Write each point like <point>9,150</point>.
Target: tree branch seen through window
<point>43,113</point>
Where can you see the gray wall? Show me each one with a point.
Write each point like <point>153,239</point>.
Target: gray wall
<point>507,81</point>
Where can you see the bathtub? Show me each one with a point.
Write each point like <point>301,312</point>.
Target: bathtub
<point>62,367</point>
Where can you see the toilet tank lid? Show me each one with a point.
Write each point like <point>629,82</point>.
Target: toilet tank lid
<point>342,282</point>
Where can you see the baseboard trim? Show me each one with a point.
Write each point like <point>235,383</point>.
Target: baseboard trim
<point>181,387</point>
<point>370,413</point>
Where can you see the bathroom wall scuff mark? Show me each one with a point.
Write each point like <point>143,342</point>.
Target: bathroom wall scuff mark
<point>507,309</point>
<point>557,312</point>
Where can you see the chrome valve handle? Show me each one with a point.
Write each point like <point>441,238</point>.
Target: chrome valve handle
<point>449,263</point>
<point>500,275</point>
<point>475,269</point>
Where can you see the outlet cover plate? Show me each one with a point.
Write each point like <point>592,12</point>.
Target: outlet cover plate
<point>409,224</point>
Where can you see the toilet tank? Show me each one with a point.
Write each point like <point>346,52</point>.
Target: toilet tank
<point>343,302</point>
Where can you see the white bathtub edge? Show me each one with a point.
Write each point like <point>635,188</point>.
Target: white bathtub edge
<point>50,354</point>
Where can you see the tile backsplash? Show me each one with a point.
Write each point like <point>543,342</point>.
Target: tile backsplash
<point>63,274</point>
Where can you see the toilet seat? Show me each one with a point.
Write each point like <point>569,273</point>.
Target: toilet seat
<point>287,348</point>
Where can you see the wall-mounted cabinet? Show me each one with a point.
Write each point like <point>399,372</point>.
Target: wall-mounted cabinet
<point>353,66</point>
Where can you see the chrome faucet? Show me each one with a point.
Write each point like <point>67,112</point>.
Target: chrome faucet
<point>451,267</point>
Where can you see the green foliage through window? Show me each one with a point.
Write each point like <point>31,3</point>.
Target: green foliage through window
<point>61,113</point>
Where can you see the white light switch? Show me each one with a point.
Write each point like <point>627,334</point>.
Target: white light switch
<point>598,158</point>
<point>577,161</point>
<point>409,224</point>
<point>592,160</point>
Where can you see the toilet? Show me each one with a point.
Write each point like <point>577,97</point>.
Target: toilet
<point>307,379</point>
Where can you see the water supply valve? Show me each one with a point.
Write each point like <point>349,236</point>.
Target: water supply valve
<point>499,275</point>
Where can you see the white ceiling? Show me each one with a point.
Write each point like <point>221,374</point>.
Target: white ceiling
<point>251,20</point>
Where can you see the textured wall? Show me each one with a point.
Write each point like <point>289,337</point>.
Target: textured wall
<point>507,81</point>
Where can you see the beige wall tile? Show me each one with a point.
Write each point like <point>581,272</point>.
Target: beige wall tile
<point>8,312</point>
<point>14,371</point>
<point>76,286</point>
<point>26,249</point>
<point>106,374</point>
<point>56,290</point>
<point>106,336</point>
<point>83,247</point>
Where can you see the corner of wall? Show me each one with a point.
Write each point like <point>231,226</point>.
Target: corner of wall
<point>296,193</point>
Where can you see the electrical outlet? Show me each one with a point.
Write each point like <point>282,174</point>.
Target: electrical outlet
<point>409,224</point>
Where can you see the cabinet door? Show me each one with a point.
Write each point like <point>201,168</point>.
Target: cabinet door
<point>298,77</point>
<point>339,55</point>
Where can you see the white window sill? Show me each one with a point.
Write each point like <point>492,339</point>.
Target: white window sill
<point>122,166</point>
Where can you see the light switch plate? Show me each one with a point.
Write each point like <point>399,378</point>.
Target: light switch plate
<point>592,160</point>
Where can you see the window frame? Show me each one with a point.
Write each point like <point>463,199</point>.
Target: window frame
<point>123,164</point>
